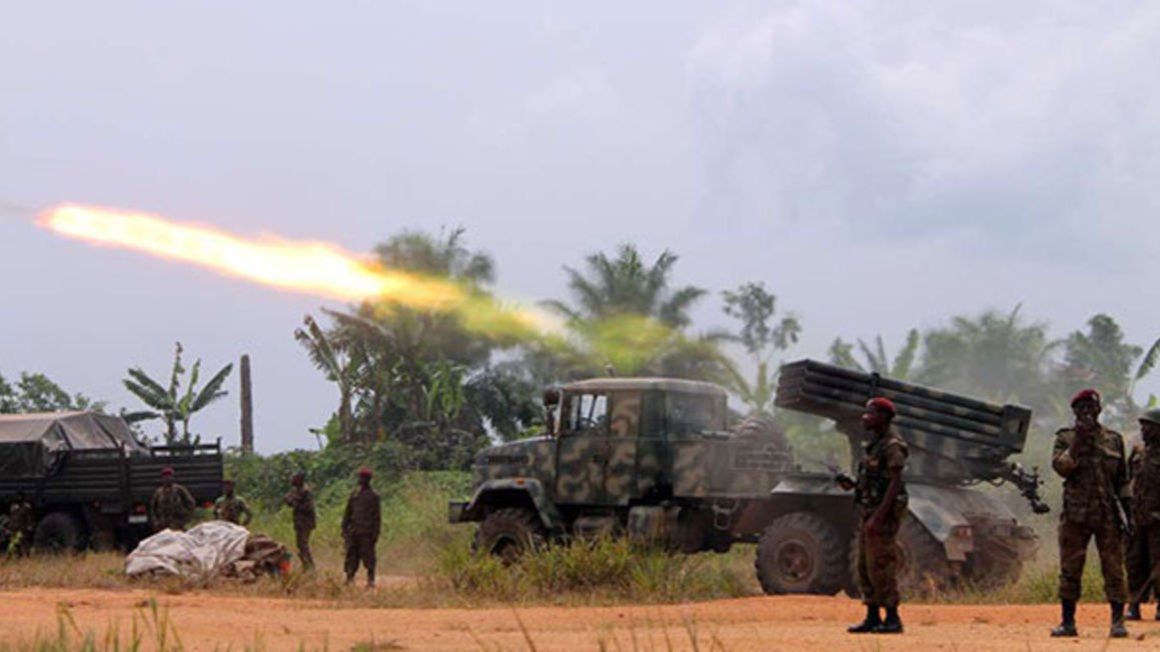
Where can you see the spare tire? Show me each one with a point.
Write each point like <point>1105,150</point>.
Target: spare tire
<point>59,532</point>
<point>801,553</point>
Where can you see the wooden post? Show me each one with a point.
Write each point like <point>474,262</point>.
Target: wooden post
<point>247,407</point>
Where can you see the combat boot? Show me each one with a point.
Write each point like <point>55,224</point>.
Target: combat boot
<point>1157,616</point>
<point>1067,624</point>
<point>1118,630</point>
<point>872,621</point>
<point>1133,612</point>
<point>892,624</point>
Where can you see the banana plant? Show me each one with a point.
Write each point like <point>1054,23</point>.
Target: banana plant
<point>171,403</point>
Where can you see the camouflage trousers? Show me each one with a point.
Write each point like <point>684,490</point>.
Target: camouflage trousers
<point>1073,544</point>
<point>302,539</point>
<point>878,563</point>
<point>360,548</point>
<point>1142,554</point>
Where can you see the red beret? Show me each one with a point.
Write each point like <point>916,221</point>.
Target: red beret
<point>882,403</point>
<point>364,472</point>
<point>1085,395</point>
<point>167,471</point>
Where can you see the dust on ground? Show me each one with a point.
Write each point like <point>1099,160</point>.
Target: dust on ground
<point>205,621</point>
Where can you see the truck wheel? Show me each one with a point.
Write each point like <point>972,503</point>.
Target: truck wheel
<point>508,533</point>
<point>801,553</point>
<point>923,568</point>
<point>58,532</point>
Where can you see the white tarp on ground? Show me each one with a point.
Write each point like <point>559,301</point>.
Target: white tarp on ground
<point>200,553</point>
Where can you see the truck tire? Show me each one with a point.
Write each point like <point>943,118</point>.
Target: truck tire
<point>923,569</point>
<point>801,553</point>
<point>58,532</point>
<point>508,533</point>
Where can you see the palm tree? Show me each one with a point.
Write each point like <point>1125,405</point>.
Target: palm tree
<point>625,285</point>
<point>994,355</point>
<point>876,359</point>
<point>334,359</point>
<point>170,403</point>
<point>626,315</point>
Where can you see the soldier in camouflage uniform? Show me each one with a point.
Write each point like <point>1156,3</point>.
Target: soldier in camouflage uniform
<point>231,507</point>
<point>1094,467</point>
<point>171,505</point>
<point>301,501</point>
<point>1143,550</point>
<point>21,520</point>
<point>881,501</point>
<point>360,528</point>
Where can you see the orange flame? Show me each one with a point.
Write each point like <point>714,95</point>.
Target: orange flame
<point>307,267</point>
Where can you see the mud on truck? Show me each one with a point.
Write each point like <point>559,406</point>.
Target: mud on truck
<point>654,458</point>
<point>89,480</point>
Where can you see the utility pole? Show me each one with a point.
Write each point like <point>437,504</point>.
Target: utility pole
<point>247,407</point>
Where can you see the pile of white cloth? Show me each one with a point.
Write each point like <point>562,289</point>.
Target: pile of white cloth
<point>201,553</point>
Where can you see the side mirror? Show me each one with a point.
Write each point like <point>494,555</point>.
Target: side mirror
<point>551,397</point>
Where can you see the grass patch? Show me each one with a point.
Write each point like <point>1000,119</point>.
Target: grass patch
<point>604,570</point>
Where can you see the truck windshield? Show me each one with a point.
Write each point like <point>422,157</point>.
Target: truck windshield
<point>694,413</point>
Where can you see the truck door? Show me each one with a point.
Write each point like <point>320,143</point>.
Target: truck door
<point>620,472</point>
<point>583,449</point>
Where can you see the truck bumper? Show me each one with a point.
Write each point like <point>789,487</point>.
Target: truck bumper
<point>455,511</point>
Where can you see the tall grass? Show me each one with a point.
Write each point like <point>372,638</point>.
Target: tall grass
<point>601,570</point>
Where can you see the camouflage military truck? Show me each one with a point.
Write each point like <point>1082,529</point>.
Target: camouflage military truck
<point>654,458</point>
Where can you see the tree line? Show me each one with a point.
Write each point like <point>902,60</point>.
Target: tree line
<point>427,390</point>
<point>439,390</point>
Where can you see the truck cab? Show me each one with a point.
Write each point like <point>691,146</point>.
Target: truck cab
<point>635,454</point>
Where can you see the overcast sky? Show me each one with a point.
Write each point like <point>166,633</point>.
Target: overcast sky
<point>879,166</point>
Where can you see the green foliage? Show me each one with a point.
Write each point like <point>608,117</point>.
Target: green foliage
<point>171,403</point>
<point>626,317</point>
<point>421,379</point>
<point>876,359</point>
<point>1100,358</point>
<point>36,392</point>
<point>599,569</point>
<point>754,306</point>
<point>994,356</point>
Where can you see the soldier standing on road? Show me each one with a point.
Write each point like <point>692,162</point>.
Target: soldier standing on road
<point>1094,467</point>
<point>881,501</point>
<point>231,507</point>
<point>171,505</point>
<point>21,520</point>
<point>300,500</point>
<point>1143,550</point>
<point>360,528</point>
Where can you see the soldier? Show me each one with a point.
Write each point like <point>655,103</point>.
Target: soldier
<point>881,499</point>
<point>1094,467</point>
<point>301,501</point>
<point>21,520</point>
<point>360,528</point>
<point>231,507</point>
<point>1143,550</point>
<point>171,505</point>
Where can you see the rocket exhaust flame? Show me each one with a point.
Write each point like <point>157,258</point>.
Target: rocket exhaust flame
<point>313,268</point>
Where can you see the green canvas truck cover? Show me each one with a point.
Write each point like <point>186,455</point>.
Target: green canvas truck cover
<point>32,444</point>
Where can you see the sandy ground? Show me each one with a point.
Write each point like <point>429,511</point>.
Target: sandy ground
<point>206,622</point>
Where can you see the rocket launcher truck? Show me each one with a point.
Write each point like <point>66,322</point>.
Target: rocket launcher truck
<point>656,459</point>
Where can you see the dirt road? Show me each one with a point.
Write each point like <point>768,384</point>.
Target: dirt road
<point>205,622</point>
